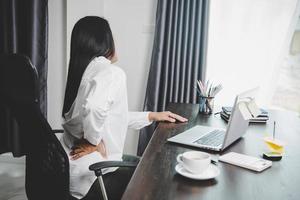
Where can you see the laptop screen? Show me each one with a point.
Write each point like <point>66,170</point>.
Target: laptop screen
<point>238,124</point>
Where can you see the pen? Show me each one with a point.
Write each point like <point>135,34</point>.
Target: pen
<point>201,90</point>
<point>215,162</point>
<point>200,93</point>
<point>202,87</point>
<point>274,127</point>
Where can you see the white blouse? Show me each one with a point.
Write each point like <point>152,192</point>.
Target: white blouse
<point>99,112</point>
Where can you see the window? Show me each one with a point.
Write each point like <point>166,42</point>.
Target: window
<point>248,41</point>
<point>287,92</point>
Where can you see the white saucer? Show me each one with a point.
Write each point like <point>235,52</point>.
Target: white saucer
<point>211,172</point>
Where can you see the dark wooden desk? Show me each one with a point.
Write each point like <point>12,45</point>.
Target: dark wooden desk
<point>156,179</point>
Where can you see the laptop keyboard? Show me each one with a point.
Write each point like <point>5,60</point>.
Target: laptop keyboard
<point>214,138</point>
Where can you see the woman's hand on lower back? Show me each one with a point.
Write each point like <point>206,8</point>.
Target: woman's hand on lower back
<point>82,147</point>
<point>166,116</point>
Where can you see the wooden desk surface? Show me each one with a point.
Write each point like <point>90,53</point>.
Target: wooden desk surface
<point>156,179</point>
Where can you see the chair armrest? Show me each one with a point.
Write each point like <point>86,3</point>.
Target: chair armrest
<point>57,131</point>
<point>97,167</point>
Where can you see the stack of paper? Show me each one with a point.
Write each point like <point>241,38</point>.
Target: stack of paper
<point>263,117</point>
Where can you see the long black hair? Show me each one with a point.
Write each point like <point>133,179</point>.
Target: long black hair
<point>91,37</point>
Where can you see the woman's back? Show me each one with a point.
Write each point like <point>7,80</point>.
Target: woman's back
<point>99,113</point>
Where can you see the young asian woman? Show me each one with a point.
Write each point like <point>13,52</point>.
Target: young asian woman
<point>95,110</point>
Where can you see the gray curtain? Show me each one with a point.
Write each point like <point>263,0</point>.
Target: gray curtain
<point>178,57</point>
<point>23,30</point>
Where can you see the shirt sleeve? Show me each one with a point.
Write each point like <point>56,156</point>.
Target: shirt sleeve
<point>96,105</point>
<point>138,120</point>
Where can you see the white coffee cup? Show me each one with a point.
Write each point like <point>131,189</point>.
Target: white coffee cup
<point>194,161</point>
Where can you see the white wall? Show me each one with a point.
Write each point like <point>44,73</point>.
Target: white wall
<point>56,60</point>
<point>76,9</point>
<point>246,42</point>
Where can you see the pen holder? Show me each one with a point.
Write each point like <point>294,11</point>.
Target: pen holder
<point>206,105</point>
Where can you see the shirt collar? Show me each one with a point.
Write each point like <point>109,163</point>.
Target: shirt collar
<point>102,59</point>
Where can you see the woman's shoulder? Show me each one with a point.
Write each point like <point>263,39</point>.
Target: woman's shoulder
<point>116,71</point>
<point>106,72</point>
<point>102,68</point>
<point>111,71</point>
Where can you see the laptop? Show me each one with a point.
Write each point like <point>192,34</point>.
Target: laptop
<point>218,139</point>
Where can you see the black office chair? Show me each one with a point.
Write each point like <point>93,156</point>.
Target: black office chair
<point>47,165</point>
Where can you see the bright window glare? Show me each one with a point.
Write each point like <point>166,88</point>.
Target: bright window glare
<point>247,42</point>
<point>287,93</point>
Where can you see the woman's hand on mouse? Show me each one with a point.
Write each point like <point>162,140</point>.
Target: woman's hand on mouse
<point>166,116</point>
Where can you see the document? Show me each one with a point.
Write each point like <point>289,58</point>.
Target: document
<point>249,109</point>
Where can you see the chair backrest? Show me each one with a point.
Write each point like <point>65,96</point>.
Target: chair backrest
<point>47,165</point>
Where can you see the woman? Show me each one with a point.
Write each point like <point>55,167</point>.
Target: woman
<point>95,109</point>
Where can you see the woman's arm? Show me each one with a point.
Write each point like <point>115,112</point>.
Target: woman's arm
<point>83,147</point>
<point>166,116</point>
<point>138,120</point>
